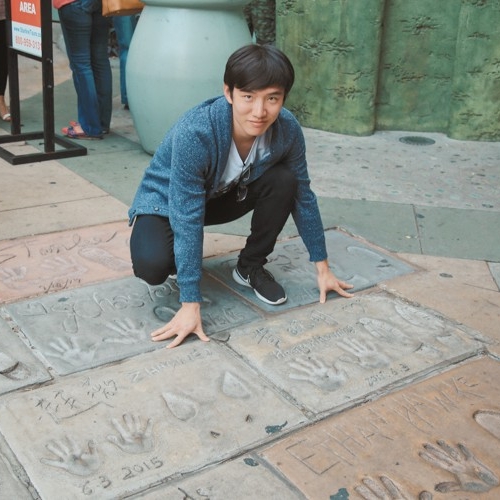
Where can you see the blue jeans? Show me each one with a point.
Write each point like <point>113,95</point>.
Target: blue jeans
<point>86,35</point>
<point>124,29</point>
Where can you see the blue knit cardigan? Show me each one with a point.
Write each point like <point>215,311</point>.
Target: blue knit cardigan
<point>185,172</point>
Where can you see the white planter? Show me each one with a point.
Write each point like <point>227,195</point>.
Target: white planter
<point>177,59</point>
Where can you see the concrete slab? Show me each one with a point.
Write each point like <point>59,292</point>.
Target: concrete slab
<point>389,225</point>
<point>460,289</point>
<point>48,263</point>
<point>13,481</point>
<point>439,436</point>
<point>35,184</point>
<point>332,356</point>
<point>463,234</point>
<point>247,475</point>
<point>352,261</point>
<point>123,428</point>
<point>18,367</point>
<point>495,272</point>
<point>449,173</point>
<point>61,216</point>
<point>119,177</point>
<point>90,326</point>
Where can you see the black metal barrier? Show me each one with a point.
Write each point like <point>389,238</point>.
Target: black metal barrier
<point>23,40</point>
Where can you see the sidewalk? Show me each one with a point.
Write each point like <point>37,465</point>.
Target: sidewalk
<point>391,393</point>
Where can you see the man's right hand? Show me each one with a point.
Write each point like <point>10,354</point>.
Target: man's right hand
<point>187,320</point>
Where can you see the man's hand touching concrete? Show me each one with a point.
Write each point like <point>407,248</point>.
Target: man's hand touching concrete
<point>327,282</point>
<point>186,321</point>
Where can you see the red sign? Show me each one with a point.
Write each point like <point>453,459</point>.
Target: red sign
<point>26,26</point>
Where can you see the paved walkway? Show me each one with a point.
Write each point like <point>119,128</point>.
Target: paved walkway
<point>391,393</point>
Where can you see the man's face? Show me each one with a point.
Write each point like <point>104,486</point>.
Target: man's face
<point>254,111</point>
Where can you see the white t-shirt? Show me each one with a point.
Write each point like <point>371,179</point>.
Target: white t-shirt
<point>235,166</point>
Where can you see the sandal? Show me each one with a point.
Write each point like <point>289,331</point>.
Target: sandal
<point>74,124</point>
<point>5,111</point>
<point>73,133</point>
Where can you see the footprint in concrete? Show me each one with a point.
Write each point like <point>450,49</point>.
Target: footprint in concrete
<point>181,407</point>
<point>12,369</point>
<point>489,420</point>
<point>7,364</point>
<point>233,387</point>
<point>164,313</point>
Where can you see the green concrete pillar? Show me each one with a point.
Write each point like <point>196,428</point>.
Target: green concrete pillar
<point>177,59</point>
<point>334,46</point>
<point>394,65</point>
<point>417,63</point>
<point>475,96</point>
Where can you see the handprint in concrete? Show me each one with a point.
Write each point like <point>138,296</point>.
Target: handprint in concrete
<point>366,353</point>
<point>12,277</point>
<point>72,458</point>
<point>385,489</point>
<point>470,474</point>
<point>127,331</point>
<point>317,372</point>
<point>133,436</point>
<point>69,350</point>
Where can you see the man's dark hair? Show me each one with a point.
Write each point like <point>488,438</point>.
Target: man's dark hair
<point>256,67</point>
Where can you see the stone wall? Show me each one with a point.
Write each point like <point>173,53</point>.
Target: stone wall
<point>366,65</point>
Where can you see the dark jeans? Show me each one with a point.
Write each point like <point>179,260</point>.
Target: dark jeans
<point>3,57</point>
<point>271,197</point>
<point>86,35</point>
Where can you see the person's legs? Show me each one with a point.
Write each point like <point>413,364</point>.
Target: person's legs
<point>76,25</point>
<point>101,67</point>
<point>4,109</point>
<point>152,249</point>
<point>124,29</point>
<point>271,197</point>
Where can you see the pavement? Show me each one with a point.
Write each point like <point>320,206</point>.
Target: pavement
<point>391,394</point>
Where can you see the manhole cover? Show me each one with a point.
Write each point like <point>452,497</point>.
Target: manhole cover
<point>416,140</point>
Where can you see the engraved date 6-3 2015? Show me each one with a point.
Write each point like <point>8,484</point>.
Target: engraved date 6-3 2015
<point>102,482</point>
<point>135,470</point>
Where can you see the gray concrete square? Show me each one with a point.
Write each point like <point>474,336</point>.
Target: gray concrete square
<point>352,261</point>
<point>245,477</point>
<point>18,367</point>
<point>331,356</point>
<point>122,179</point>
<point>11,485</point>
<point>87,327</point>
<point>466,234</point>
<point>391,226</point>
<point>120,429</point>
